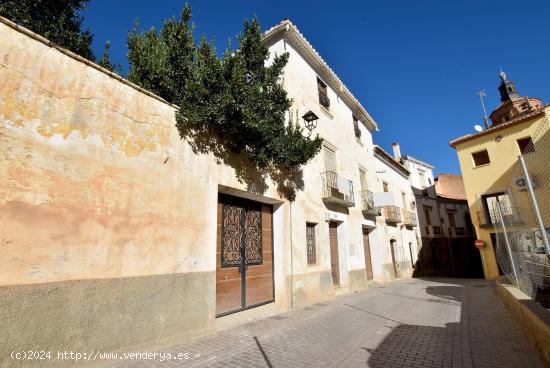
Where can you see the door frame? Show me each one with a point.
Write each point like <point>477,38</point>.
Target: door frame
<point>337,224</point>
<point>365,233</point>
<point>392,251</point>
<point>243,268</point>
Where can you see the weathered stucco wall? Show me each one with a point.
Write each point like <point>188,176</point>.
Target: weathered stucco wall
<point>108,227</point>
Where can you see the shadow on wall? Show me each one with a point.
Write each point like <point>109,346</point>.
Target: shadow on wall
<point>288,181</point>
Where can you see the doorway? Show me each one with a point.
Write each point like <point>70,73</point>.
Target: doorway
<point>334,255</point>
<point>244,255</point>
<point>392,250</point>
<point>368,260</point>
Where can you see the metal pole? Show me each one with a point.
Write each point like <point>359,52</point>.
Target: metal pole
<point>507,243</point>
<point>534,203</point>
<point>481,94</point>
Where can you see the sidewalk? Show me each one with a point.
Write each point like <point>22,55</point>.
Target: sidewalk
<point>408,323</point>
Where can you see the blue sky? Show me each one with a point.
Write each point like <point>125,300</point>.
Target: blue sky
<point>416,66</point>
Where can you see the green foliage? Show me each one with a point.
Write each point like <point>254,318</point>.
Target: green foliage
<point>229,105</point>
<point>161,63</point>
<point>57,20</point>
<point>105,60</point>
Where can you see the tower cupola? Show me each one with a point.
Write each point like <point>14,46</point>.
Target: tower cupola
<point>507,88</point>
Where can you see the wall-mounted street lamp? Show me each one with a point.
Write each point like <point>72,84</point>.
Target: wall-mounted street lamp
<point>310,121</point>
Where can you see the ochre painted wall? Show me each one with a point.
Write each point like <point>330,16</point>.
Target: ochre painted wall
<point>492,178</point>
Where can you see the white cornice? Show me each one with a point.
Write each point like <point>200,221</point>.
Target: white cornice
<point>287,30</point>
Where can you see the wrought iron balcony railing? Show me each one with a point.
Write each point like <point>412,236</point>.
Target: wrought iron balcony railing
<point>488,218</point>
<point>367,203</point>
<point>392,214</point>
<point>337,189</point>
<point>409,218</point>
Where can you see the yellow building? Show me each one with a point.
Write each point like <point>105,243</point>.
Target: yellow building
<point>488,160</point>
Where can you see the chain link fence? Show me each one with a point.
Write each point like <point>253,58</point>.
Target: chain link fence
<point>522,217</point>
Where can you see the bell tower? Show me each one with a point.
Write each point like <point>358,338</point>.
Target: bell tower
<point>512,105</point>
<point>507,88</point>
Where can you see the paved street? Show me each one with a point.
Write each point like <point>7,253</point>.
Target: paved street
<point>408,323</point>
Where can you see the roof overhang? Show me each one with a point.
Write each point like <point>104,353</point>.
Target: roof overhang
<point>386,157</point>
<point>496,128</point>
<point>417,161</point>
<point>288,31</point>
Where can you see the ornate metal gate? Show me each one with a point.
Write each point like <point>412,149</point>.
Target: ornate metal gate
<point>244,275</point>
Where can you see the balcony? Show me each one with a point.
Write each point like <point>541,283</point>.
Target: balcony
<point>409,218</point>
<point>367,203</point>
<point>337,190</point>
<point>490,218</point>
<point>392,214</point>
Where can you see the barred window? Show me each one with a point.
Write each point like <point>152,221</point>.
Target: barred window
<point>526,145</point>
<point>310,241</point>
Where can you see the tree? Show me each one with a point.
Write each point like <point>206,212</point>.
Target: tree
<point>162,62</point>
<point>239,101</point>
<point>57,20</point>
<point>105,60</point>
<point>230,106</point>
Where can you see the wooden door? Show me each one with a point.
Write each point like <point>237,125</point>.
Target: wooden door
<point>334,257</point>
<point>392,250</point>
<point>244,255</point>
<point>368,260</point>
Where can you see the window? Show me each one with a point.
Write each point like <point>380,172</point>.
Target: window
<point>427,215</point>
<point>526,145</point>
<point>490,203</point>
<point>385,186</point>
<point>356,128</point>
<point>310,242</point>
<point>452,221</point>
<point>481,158</point>
<point>330,159</point>
<point>323,94</point>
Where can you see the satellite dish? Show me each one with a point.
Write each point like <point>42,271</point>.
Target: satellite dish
<point>478,128</point>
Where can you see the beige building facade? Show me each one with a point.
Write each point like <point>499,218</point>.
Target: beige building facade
<point>488,161</point>
<point>115,234</point>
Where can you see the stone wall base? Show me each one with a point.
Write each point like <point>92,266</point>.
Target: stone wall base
<point>533,319</point>
<point>107,315</point>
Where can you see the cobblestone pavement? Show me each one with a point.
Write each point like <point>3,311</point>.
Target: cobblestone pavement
<point>409,323</point>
